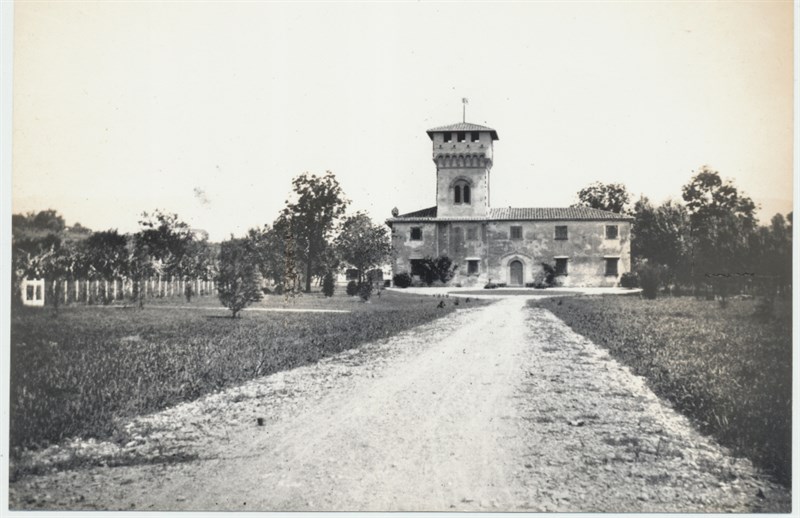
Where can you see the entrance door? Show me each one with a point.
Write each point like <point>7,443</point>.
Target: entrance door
<point>516,273</point>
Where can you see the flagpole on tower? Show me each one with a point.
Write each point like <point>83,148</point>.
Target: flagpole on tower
<point>464,101</point>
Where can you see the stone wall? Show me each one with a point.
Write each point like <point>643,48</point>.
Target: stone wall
<point>490,243</point>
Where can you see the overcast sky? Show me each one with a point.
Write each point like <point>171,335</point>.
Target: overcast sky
<point>209,109</point>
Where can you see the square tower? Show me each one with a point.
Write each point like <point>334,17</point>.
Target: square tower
<point>462,153</point>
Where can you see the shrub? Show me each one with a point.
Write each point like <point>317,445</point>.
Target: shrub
<point>365,290</point>
<point>239,280</point>
<point>328,286</point>
<point>440,269</point>
<point>492,285</point>
<point>352,288</point>
<point>629,280</point>
<point>402,280</point>
<point>549,275</point>
<point>650,279</point>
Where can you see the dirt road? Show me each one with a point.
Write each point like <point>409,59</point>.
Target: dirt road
<point>498,408</point>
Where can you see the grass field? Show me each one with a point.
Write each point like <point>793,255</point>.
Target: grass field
<point>77,372</point>
<point>727,369</point>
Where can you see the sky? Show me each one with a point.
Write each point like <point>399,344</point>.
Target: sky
<point>209,109</point>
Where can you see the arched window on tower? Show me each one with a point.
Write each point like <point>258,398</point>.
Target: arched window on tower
<point>461,193</point>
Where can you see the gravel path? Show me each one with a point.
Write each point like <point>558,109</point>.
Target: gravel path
<point>497,408</point>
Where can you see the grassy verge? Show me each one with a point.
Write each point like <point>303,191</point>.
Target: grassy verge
<point>78,371</point>
<point>727,369</point>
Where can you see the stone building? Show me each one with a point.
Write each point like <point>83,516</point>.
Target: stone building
<point>587,247</point>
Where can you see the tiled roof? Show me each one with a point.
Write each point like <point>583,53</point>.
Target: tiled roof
<point>430,212</point>
<point>521,214</point>
<point>462,126</point>
<point>552,213</point>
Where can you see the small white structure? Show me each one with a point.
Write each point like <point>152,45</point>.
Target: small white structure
<point>33,292</point>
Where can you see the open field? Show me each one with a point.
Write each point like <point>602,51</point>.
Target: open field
<point>725,368</point>
<point>78,372</point>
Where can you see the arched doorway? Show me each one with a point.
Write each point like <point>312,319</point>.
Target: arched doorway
<point>515,277</point>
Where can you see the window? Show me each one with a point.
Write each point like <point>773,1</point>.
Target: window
<point>561,266</point>
<point>516,232</point>
<point>476,137</point>
<point>462,136</point>
<point>462,193</point>
<point>472,233</point>
<point>473,265</point>
<point>416,233</point>
<point>612,232</point>
<point>448,137</point>
<point>561,232</point>
<point>612,266</point>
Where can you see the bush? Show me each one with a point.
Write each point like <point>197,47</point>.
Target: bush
<point>238,280</point>
<point>439,269</point>
<point>365,290</point>
<point>352,288</point>
<point>629,280</point>
<point>402,280</point>
<point>549,275</point>
<point>650,280</point>
<point>328,286</point>
<point>492,285</point>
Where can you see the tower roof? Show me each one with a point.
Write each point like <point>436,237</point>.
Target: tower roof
<point>462,126</point>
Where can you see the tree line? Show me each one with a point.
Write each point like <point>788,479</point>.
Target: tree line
<point>312,237</point>
<point>708,242</point>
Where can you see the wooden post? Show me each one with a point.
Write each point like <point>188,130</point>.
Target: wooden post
<point>115,289</point>
<point>88,282</point>
<point>159,286</point>
<point>66,293</point>
<point>105,288</point>
<point>77,286</point>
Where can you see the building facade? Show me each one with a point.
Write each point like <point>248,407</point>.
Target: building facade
<point>587,247</point>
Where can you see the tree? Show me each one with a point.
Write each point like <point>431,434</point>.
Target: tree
<point>770,255</point>
<point>104,255</point>
<point>722,221</point>
<point>310,219</point>
<point>165,239</point>
<point>238,279</point>
<point>362,244</point>
<point>39,248</point>
<point>612,197</point>
<point>159,247</point>
<point>269,249</point>
<point>660,236</point>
